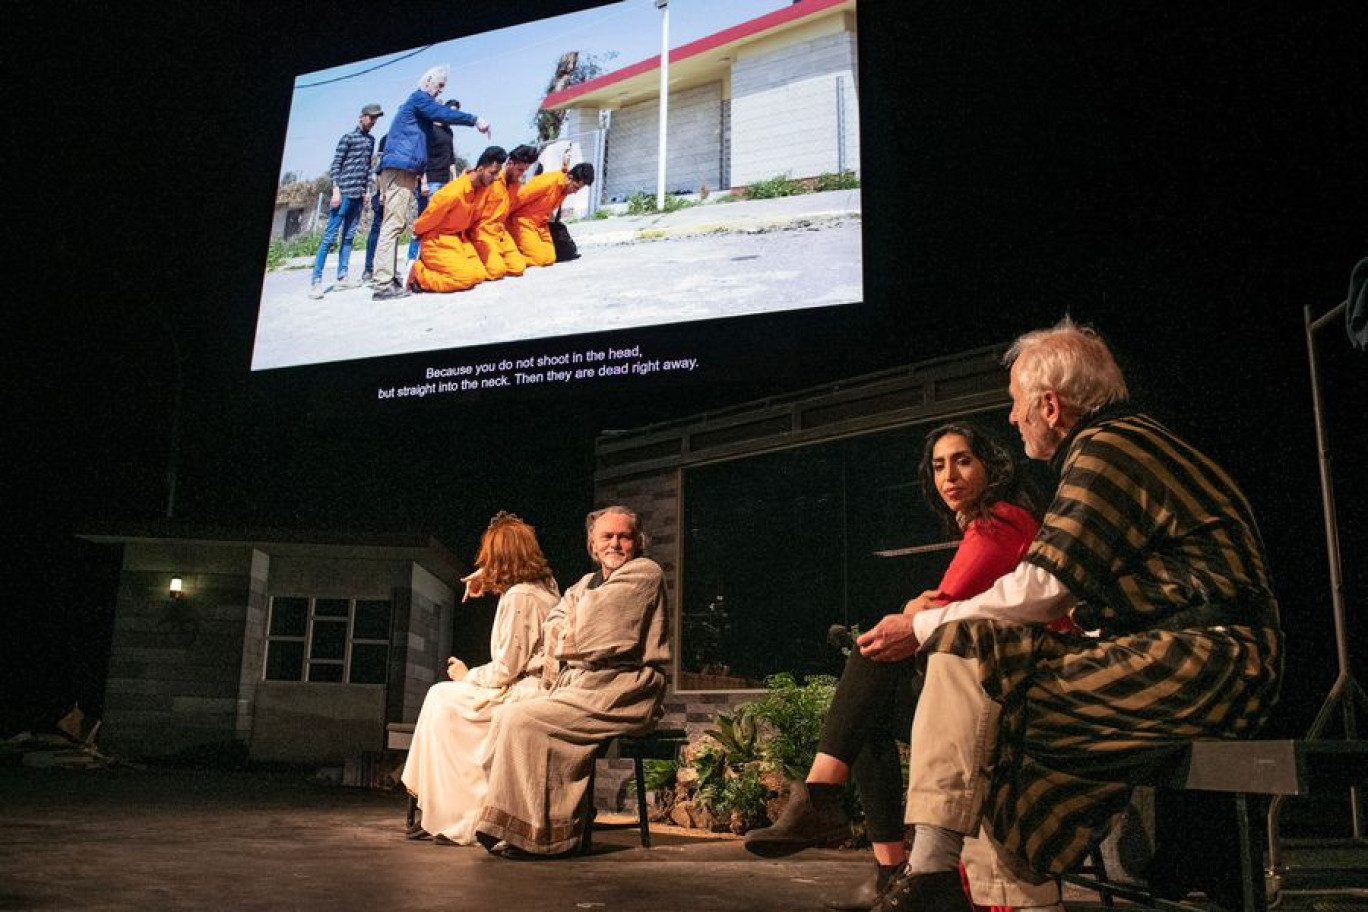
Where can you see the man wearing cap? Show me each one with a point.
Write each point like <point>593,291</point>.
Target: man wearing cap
<point>350,173</point>
<point>405,158</point>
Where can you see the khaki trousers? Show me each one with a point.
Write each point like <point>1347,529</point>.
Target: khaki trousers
<point>397,194</point>
<point>953,749</point>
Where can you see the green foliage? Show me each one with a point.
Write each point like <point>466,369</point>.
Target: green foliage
<point>744,794</point>
<point>547,124</point>
<point>775,187</point>
<point>601,214</point>
<point>289,248</point>
<point>792,714</point>
<point>842,180</point>
<point>643,203</point>
<point>731,770</point>
<point>660,774</point>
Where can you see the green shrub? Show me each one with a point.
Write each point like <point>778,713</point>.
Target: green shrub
<point>791,715</point>
<point>743,795</point>
<point>732,769</point>
<point>841,180</point>
<point>306,245</point>
<point>643,203</point>
<point>774,187</point>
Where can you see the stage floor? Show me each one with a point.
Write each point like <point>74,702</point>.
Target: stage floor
<point>125,839</point>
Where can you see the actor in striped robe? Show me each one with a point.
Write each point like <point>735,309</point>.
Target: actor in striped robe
<point>1039,737</point>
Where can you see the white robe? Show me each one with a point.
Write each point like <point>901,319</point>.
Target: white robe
<point>451,740</point>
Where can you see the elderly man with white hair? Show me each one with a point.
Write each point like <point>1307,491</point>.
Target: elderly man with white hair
<point>606,650</point>
<point>401,165</point>
<point>1032,739</point>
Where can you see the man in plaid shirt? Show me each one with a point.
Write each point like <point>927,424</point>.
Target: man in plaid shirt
<point>350,173</point>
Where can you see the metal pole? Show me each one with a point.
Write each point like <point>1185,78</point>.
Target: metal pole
<point>664,7</point>
<point>1345,693</point>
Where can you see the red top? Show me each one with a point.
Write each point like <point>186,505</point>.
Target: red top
<point>991,548</point>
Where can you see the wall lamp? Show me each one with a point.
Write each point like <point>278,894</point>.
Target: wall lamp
<point>177,587</point>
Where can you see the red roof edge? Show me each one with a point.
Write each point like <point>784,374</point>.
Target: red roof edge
<point>763,23</point>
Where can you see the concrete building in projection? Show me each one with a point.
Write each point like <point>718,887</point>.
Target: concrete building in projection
<point>776,95</point>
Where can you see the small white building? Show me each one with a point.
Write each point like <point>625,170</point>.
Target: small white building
<point>285,647</point>
<point>776,95</point>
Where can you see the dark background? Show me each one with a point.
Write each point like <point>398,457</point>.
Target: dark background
<point>1185,176</point>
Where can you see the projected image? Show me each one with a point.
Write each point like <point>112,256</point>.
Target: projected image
<point>508,186</point>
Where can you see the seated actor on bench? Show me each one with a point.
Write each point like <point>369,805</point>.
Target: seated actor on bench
<point>1038,737</point>
<point>606,651</point>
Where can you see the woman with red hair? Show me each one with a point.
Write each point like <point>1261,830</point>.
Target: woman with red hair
<point>446,764</point>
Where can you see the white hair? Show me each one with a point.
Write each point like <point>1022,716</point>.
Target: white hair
<point>433,80</point>
<point>1072,360</point>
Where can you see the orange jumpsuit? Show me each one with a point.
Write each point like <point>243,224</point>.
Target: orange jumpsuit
<point>447,261</point>
<point>537,200</point>
<point>489,234</point>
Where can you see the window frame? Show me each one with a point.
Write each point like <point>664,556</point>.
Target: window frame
<point>350,640</point>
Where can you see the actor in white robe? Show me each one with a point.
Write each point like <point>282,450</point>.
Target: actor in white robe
<point>607,650</point>
<point>451,740</point>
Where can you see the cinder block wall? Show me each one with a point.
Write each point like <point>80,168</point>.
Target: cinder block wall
<point>786,109</point>
<point>421,650</point>
<point>695,150</point>
<point>176,664</point>
<point>253,643</point>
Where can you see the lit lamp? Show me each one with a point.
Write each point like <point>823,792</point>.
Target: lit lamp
<point>177,587</point>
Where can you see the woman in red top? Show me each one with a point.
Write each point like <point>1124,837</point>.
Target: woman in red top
<point>970,480</point>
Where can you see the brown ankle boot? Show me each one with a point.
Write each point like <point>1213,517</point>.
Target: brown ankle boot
<point>812,817</point>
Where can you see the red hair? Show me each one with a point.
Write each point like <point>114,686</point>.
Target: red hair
<point>509,554</point>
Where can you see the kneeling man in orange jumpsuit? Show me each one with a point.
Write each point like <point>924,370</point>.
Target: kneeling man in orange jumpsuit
<point>447,261</point>
<point>489,234</point>
<point>532,209</point>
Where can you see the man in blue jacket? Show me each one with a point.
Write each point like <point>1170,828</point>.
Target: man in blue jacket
<point>404,160</point>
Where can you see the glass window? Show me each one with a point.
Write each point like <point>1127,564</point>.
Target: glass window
<point>368,663</point>
<point>332,607</point>
<point>285,661</point>
<point>336,639</point>
<point>329,640</point>
<point>289,616</point>
<point>372,620</point>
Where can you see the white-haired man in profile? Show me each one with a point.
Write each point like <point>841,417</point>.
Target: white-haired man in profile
<point>606,651</point>
<point>401,166</point>
<point>1031,739</point>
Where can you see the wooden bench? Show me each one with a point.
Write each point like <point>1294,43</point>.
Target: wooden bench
<point>1249,769</point>
<point>661,744</point>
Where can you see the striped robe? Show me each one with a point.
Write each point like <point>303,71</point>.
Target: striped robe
<point>1160,548</point>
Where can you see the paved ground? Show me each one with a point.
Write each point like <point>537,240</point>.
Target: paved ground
<point>125,839</point>
<point>712,261</point>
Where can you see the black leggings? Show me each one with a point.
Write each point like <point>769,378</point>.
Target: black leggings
<point>870,712</point>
